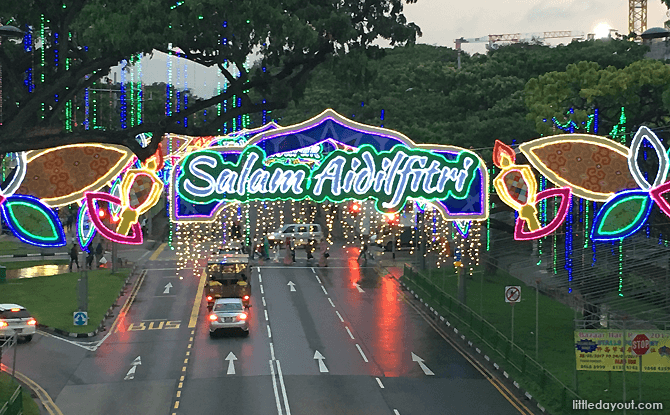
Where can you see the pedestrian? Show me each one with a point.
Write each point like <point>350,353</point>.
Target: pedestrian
<point>98,253</point>
<point>266,248</point>
<point>323,249</point>
<point>89,259</point>
<point>308,249</point>
<point>287,252</point>
<point>144,227</point>
<point>293,249</point>
<point>252,251</point>
<point>363,252</point>
<point>236,231</point>
<point>74,256</point>
<point>70,220</point>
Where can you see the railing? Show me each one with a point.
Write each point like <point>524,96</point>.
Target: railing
<point>15,404</point>
<point>533,376</point>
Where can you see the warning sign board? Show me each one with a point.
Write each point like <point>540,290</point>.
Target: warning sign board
<point>512,294</point>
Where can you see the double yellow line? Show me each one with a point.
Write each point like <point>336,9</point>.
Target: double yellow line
<point>39,391</point>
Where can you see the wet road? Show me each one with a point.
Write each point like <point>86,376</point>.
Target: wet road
<point>346,341</point>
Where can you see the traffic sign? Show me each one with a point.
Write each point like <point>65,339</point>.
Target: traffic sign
<point>457,254</point>
<point>80,318</point>
<point>512,294</point>
<point>640,344</point>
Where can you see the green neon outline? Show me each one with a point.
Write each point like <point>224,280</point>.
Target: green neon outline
<point>10,209</point>
<point>307,191</point>
<point>645,201</point>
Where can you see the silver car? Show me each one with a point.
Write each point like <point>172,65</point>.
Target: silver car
<point>229,313</point>
<point>16,319</point>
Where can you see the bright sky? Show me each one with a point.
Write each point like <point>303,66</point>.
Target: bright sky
<point>442,21</point>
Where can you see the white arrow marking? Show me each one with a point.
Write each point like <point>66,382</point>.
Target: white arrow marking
<point>423,366</point>
<point>137,361</point>
<point>231,367</point>
<point>167,288</point>
<point>292,285</point>
<point>358,287</point>
<point>131,373</point>
<point>322,366</point>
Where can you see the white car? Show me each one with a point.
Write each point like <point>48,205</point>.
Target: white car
<point>16,319</point>
<point>302,233</point>
<point>227,314</point>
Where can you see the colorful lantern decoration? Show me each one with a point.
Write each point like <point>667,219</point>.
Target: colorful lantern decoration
<point>31,221</point>
<point>463,227</point>
<point>85,227</point>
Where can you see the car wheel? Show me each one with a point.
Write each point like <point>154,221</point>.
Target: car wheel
<point>212,334</point>
<point>245,333</point>
<point>28,338</point>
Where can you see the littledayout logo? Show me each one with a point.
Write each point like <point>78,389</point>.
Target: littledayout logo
<point>389,177</point>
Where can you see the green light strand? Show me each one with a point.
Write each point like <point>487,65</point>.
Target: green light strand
<point>621,268</point>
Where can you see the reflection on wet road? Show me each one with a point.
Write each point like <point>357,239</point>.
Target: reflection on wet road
<point>37,271</point>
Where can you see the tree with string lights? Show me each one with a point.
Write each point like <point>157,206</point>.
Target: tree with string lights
<point>71,45</point>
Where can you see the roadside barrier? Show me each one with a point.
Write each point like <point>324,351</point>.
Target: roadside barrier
<point>544,385</point>
<point>14,406</point>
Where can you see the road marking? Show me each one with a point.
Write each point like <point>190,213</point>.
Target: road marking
<point>291,284</point>
<point>261,285</point>
<point>82,345</point>
<point>283,388</point>
<point>272,351</point>
<point>331,302</point>
<point>197,301</point>
<point>423,366</point>
<point>269,332</point>
<point>259,275</point>
<point>395,412</point>
<point>358,287</point>
<point>361,351</point>
<point>324,290</point>
<point>258,269</point>
<point>266,314</point>
<point>263,298</point>
<point>158,251</point>
<point>322,366</point>
<point>178,394</point>
<point>39,391</point>
<point>142,257</point>
<point>274,386</point>
<point>176,405</point>
<point>167,288</point>
<point>348,331</point>
<point>231,366</point>
<point>380,383</point>
<point>318,279</point>
<point>338,314</point>
<point>313,270</point>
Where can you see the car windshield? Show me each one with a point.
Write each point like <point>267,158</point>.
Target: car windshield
<point>21,313</point>
<point>227,307</point>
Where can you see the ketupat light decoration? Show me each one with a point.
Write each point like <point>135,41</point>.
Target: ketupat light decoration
<point>463,227</point>
<point>129,215</point>
<point>623,215</point>
<point>91,202</point>
<point>20,210</point>
<point>85,227</point>
<point>520,234</point>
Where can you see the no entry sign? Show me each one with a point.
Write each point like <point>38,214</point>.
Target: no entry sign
<point>512,294</point>
<point>640,344</point>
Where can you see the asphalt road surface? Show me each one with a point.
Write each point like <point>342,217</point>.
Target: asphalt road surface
<point>336,340</point>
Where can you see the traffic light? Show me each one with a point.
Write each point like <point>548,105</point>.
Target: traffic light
<point>355,208</point>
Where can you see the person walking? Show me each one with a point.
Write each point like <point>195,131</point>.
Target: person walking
<point>74,256</point>
<point>89,259</point>
<point>287,252</point>
<point>98,253</point>
<point>363,253</point>
<point>266,248</point>
<point>308,249</point>
<point>323,249</point>
<point>252,251</point>
<point>293,249</point>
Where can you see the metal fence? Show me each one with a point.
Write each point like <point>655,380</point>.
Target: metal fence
<point>535,378</point>
<point>14,406</point>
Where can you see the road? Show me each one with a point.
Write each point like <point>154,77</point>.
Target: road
<point>345,341</point>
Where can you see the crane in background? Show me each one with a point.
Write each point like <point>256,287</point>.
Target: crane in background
<point>492,40</point>
<point>637,16</point>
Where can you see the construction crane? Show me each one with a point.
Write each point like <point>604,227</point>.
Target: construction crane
<point>637,16</point>
<point>515,38</point>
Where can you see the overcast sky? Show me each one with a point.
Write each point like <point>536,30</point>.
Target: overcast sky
<point>442,21</point>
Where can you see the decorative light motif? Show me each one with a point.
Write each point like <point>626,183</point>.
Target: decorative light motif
<point>20,210</point>
<point>645,134</point>
<point>622,215</point>
<point>91,202</point>
<point>129,215</point>
<point>520,234</point>
<point>85,227</point>
<point>463,227</point>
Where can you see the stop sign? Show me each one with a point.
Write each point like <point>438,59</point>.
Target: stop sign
<point>640,344</point>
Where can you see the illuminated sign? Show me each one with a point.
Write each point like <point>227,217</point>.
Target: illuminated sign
<point>355,161</point>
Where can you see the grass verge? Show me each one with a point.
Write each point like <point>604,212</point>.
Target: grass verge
<point>556,354</point>
<point>52,300</point>
<point>7,388</point>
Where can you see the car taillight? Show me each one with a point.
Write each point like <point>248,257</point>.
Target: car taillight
<point>209,298</point>
<point>213,317</point>
<point>246,297</point>
<point>3,324</point>
<point>242,316</point>
<point>32,322</point>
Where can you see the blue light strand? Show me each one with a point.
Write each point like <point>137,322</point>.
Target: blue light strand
<point>568,246</point>
<point>593,244</point>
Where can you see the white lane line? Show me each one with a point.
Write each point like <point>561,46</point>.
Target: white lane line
<point>331,302</point>
<point>395,412</point>
<point>324,290</point>
<point>258,269</point>
<point>274,386</point>
<point>269,332</point>
<point>272,351</point>
<point>381,385</point>
<point>349,331</point>
<point>92,347</point>
<point>318,279</point>
<point>283,388</point>
<point>266,315</point>
<point>259,277</point>
<point>262,292</point>
<point>362,354</point>
<point>313,270</point>
<point>338,314</point>
<point>263,298</point>
<point>142,257</point>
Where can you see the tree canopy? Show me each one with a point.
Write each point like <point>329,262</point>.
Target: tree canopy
<point>424,96</point>
<point>71,44</point>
